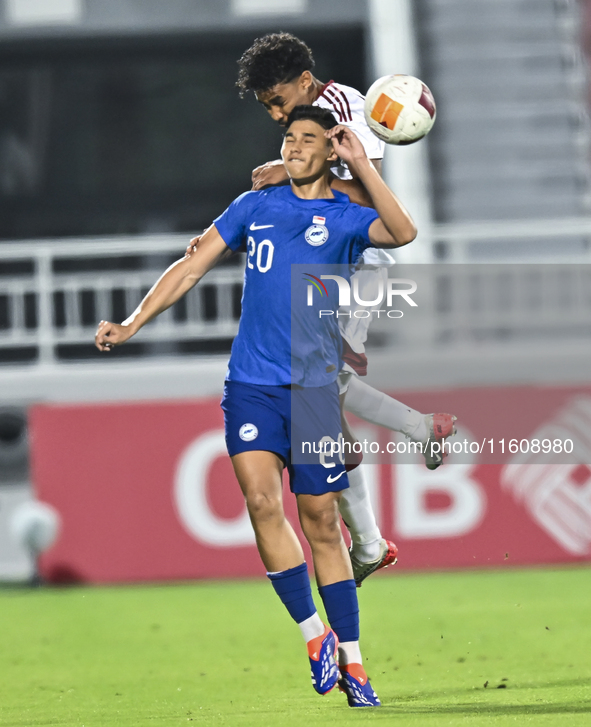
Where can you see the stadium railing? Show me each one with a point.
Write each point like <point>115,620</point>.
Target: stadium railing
<point>53,292</point>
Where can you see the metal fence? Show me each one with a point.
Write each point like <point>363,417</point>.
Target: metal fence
<point>566,240</point>
<point>53,293</point>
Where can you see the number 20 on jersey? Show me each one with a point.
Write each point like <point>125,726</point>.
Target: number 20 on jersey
<point>261,254</point>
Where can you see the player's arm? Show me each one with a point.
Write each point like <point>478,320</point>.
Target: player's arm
<point>180,277</point>
<point>394,227</point>
<point>196,241</point>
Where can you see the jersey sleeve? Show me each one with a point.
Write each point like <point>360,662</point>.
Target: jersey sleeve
<point>232,223</point>
<point>377,256</point>
<point>354,118</point>
<point>347,106</point>
<point>361,220</point>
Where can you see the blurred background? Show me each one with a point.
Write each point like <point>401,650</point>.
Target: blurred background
<point>122,136</point>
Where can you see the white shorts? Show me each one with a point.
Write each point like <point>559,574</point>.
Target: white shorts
<point>344,378</point>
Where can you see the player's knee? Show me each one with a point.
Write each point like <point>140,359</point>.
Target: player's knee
<point>263,507</point>
<point>322,525</point>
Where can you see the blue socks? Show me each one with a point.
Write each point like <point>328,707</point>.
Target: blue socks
<point>342,609</point>
<point>340,600</point>
<point>293,588</point>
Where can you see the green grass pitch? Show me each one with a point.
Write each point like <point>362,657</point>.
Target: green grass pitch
<point>471,648</point>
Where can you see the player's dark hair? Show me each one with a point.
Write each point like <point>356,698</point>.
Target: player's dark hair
<point>274,58</point>
<point>321,116</point>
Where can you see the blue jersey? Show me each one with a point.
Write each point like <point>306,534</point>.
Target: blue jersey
<point>278,229</point>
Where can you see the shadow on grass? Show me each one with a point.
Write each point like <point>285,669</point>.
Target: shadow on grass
<point>391,711</point>
<point>489,709</point>
<point>417,702</point>
<point>511,686</point>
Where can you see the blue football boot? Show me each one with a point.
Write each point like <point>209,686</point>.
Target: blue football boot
<point>355,684</point>
<point>323,654</point>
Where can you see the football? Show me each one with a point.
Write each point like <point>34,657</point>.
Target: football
<point>399,109</point>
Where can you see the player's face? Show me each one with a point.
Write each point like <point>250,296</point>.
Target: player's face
<point>280,100</point>
<point>306,152</point>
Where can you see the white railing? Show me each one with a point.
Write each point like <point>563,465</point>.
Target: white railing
<point>565,240</point>
<point>44,308</point>
<point>512,283</point>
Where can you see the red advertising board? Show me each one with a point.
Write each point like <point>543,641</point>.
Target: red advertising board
<point>145,491</point>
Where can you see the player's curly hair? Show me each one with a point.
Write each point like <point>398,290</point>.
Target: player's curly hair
<point>321,116</point>
<point>274,58</point>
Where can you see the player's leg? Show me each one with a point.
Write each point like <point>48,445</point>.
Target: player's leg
<point>369,550</point>
<point>319,517</point>
<point>257,425</point>
<point>378,408</point>
<point>260,476</point>
<point>316,477</point>
<point>320,521</point>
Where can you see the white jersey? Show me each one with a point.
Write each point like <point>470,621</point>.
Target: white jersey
<point>346,105</point>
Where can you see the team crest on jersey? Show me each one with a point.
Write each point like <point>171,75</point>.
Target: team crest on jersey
<point>317,234</point>
<point>248,432</point>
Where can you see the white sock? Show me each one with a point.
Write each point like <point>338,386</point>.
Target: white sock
<point>367,552</point>
<point>312,627</point>
<point>349,653</point>
<point>357,512</point>
<point>376,407</point>
<point>420,432</point>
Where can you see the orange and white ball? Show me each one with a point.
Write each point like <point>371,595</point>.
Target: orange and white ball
<point>399,109</point>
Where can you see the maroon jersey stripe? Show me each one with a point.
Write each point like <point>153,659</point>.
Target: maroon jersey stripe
<point>330,100</point>
<point>336,100</point>
<point>333,107</point>
<point>326,85</point>
<point>346,100</point>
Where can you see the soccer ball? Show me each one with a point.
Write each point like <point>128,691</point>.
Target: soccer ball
<point>399,109</point>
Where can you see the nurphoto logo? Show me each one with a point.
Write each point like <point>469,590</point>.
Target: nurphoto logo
<point>393,288</point>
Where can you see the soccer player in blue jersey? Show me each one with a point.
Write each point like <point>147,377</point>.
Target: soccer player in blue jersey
<point>262,388</point>
<point>277,69</point>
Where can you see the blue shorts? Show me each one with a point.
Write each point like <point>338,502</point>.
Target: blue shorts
<point>294,423</point>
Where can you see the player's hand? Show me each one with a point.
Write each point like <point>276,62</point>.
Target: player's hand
<point>192,246</point>
<point>269,174</point>
<point>346,144</point>
<point>111,334</point>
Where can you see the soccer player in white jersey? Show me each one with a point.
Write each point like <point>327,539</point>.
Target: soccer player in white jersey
<point>268,399</point>
<point>277,68</point>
